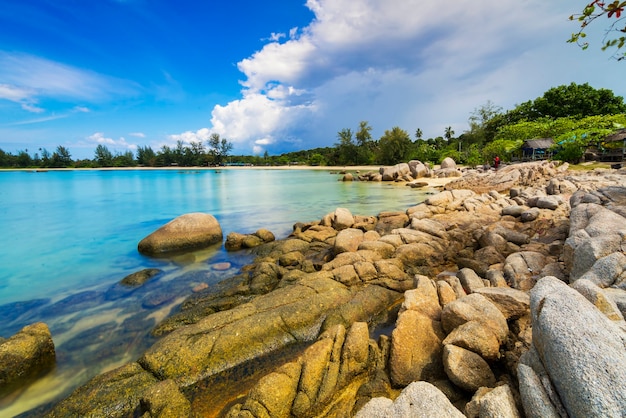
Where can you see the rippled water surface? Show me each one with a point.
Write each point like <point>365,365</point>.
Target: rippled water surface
<point>70,236</point>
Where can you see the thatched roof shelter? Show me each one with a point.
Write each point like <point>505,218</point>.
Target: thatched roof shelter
<point>540,143</point>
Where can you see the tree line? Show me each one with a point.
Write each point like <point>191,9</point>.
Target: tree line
<point>575,116</point>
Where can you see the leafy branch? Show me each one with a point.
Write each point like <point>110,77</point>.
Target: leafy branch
<point>592,12</point>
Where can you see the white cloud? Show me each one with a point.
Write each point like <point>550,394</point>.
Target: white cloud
<point>32,108</point>
<point>81,109</point>
<point>99,138</point>
<point>138,134</point>
<point>410,63</point>
<point>188,137</point>
<point>27,78</point>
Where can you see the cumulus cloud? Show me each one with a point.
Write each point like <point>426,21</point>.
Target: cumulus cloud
<point>99,138</point>
<point>407,63</point>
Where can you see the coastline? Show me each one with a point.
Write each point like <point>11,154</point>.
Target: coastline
<point>433,182</point>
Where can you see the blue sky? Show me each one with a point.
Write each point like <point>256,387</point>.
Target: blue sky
<point>277,75</point>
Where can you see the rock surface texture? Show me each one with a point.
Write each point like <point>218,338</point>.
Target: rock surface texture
<point>187,232</point>
<point>501,296</point>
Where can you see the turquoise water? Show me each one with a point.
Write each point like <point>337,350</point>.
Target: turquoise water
<point>69,236</point>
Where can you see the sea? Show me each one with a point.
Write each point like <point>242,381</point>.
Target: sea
<point>70,236</point>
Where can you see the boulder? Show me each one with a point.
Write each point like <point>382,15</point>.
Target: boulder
<point>348,240</point>
<point>165,400</point>
<point>139,277</point>
<point>470,280</point>
<point>498,403</point>
<point>448,163</point>
<point>530,215</point>
<point>585,370</point>
<point>418,400</point>
<point>600,300</point>
<point>25,356</point>
<point>272,321</point>
<point>418,169</point>
<point>511,302</point>
<point>522,269</point>
<point>466,369</point>
<point>188,232</point>
<point>476,337</point>
<point>415,349</point>
<point>475,307</point>
<point>342,218</point>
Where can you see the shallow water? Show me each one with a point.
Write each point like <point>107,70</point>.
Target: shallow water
<point>70,236</point>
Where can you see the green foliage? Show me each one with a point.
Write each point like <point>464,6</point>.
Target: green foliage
<point>219,148</point>
<point>503,148</point>
<point>103,157</point>
<point>474,156</point>
<point>616,28</point>
<point>574,100</point>
<point>394,146</point>
<point>570,152</point>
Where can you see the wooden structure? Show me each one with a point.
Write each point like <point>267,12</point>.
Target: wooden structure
<point>614,148</point>
<point>537,149</point>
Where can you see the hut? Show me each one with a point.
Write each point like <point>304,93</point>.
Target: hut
<point>614,147</point>
<point>537,149</point>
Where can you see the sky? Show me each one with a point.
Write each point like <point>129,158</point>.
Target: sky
<point>275,75</point>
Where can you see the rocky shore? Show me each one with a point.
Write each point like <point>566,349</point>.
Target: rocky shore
<point>502,295</point>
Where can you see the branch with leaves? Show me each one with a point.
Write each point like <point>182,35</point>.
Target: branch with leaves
<point>592,12</point>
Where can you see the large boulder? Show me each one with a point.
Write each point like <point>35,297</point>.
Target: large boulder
<point>467,369</point>
<point>26,355</point>
<point>216,343</point>
<point>584,370</point>
<point>186,233</point>
<point>418,400</point>
<point>448,163</point>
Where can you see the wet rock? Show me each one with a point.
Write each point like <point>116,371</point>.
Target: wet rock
<point>115,393</point>
<point>25,356</point>
<point>140,277</point>
<point>225,339</point>
<point>185,233</point>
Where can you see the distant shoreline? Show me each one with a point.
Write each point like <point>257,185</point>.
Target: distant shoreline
<point>432,181</point>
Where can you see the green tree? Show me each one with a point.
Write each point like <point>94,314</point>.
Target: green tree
<point>482,128</point>
<point>394,146</point>
<point>364,143</point>
<point>219,148</point>
<point>146,156</point>
<point>124,160</point>
<point>23,159</point>
<point>102,156</point>
<point>614,36</point>
<point>346,147</point>
<point>61,157</point>
<point>418,134</point>
<point>449,133</point>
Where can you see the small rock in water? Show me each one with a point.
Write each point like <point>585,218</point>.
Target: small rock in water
<point>200,287</point>
<point>139,277</point>
<point>221,266</point>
